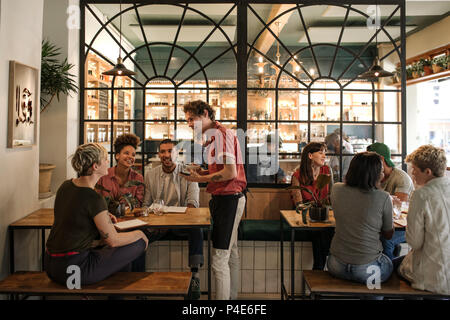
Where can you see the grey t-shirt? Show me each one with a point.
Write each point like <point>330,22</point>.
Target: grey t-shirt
<point>360,218</point>
<point>169,193</point>
<point>398,181</point>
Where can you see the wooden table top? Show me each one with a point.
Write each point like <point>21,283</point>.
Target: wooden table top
<point>39,218</point>
<point>294,220</point>
<point>43,218</point>
<point>198,217</point>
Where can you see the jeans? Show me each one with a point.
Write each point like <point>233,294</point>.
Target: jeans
<point>195,238</point>
<point>389,245</point>
<point>361,272</point>
<point>226,262</point>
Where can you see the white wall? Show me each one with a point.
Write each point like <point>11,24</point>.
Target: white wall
<point>20,39</point>
<point>60,121</point>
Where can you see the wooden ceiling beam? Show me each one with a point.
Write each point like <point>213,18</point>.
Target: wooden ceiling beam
<point>266,39</point>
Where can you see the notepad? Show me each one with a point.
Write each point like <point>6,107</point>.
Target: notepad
<point>172,209</point>
<point>129,224</point>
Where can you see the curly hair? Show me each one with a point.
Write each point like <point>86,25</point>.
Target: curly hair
<point>428,156</point>
<point>86,155</point>
<point>127,139</point>
<point>198,107</point>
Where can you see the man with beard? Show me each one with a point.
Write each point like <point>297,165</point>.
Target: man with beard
<point>164,183</point>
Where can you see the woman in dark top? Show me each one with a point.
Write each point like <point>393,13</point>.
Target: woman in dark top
<point>83,233</point>
<point>362,211</point>
<point>311,165</point>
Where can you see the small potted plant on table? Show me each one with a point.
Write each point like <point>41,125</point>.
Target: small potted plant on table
<point>118,205</point>
<point>319,206</point>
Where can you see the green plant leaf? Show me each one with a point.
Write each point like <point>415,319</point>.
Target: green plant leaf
<point>55,76</point>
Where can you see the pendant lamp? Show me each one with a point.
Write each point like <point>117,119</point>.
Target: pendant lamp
<point>119,69</point>
<point>375,71</point>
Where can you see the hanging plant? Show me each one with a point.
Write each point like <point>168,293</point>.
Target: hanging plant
<point>55,76</point>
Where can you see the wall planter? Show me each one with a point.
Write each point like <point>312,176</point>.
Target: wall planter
<point>45,179</point>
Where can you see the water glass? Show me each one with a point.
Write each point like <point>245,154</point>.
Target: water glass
<point>158,207</point>
<point>397,210</point>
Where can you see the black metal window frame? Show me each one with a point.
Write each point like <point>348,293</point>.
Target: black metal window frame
<point>242,51</point>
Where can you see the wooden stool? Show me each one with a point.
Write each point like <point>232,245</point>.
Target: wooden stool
<point>122,283</point>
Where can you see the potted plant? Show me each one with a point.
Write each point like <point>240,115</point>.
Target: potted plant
<point>409,71</point>
<point>426,66</point>
<point>55,80</point>
<point>416,70</point>
<point>118,205</point>
<point>397,75</point>
<point>318,207</point>
<point>439,63</point>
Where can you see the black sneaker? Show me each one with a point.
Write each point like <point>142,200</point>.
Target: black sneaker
<point>194,290</point>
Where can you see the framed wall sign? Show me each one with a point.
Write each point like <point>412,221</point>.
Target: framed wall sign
<point>23,104</point>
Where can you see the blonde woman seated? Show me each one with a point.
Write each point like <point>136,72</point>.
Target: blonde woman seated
<point>81,218</point>
<point>427,265</point>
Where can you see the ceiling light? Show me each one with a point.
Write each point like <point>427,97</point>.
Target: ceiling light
<point>375,71</point>
<point>119,69</point>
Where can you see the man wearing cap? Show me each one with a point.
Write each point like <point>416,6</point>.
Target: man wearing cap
<point>399,185</point>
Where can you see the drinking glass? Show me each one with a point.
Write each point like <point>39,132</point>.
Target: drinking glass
<point>397,210</point>
<point>158,207</point>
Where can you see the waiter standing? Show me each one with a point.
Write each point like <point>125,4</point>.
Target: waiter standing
<point>226,183</point>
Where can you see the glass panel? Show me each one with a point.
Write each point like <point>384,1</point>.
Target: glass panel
<point>293,136</point>
<point>224,103</point>
<point>389,109</point>
<point>292,105</point>
<point>123,99</point>
<point>159,130</point>
<point>159,102</point>
<point>325,105</point>
<point>288,165</point>
<point>263,163</point>
<point>319,131</point>
<point>183,132</point>
<point>357,106</point>
<point>256,133</point>
<point>260,105</point>
<point>358,135</point>
<point>389,134</point>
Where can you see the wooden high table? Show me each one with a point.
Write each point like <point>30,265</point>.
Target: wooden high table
<point>42,219</point>
<point>295,223</point>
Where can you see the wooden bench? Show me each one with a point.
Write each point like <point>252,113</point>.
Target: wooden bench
<point>122,283</point>
<point>321,283</point>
